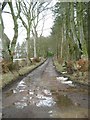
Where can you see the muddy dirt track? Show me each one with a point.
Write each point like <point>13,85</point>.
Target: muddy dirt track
<point>43,95</point>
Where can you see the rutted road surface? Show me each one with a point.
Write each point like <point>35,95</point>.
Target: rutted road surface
<point>43,95</point>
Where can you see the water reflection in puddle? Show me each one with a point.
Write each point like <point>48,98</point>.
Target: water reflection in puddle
<point>40,99</point>
<point>21,84</point>
<point>30,98</point>
<point>14,91</point>
<point>20,105</point>
<point>17,90</point>
<point>31,93</point>
<point>20,87</point>
<point>47,92</point>
<point>45,101</point>
<point>50,112</point>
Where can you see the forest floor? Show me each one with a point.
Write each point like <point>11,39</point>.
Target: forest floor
<point>42,95</point>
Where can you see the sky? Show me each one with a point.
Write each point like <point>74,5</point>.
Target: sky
<point>8,23</point>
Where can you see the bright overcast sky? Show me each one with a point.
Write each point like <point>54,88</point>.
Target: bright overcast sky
<point>8,23</point>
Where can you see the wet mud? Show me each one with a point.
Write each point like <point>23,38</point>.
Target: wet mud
<point>45,94</point>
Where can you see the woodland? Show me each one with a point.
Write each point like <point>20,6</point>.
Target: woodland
<point>68,42</point>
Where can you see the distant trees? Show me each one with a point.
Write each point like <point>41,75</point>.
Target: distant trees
<point>30,17</point>
<point>69,36</point>
<point>43,46</point>
<point>21,50</point>
<point>26,13</point>
<point>17,51</point>
<point>69,31</point>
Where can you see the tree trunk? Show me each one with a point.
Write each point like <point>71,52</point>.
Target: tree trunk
<point>13,43</point>
<point>62,42</point>
<point>80,29</point>
<point>28,47</point>
<point>35,39</point>
<point>35,55</point>
<point>5,42</point>
<point>75,38</point>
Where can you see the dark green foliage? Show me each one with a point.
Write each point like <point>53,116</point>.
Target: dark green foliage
<point>50,54</point>
<point>69,32</point>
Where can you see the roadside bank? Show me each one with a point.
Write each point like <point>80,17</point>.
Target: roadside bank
<point>15,76</point>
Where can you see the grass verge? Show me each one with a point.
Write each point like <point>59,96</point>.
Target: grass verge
<point>9,77</point>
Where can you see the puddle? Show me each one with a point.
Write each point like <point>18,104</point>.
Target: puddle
<point>21,83</point>
<point>20,87</point>
<point>25,98</point>
<point>47,92</point>
<point>45,101</point>
<point>50,112</point>
<point>31,93</point>
<point>14,91</point>
<point>35,94</point>
<point>20,105</point>
<point>64,101</point>
<point>39,100</point>
<point>70,113</point>
<point>30,98</point>
<point>18,90</point>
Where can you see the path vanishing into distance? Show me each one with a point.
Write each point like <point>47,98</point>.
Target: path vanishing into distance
<point>43,94</point>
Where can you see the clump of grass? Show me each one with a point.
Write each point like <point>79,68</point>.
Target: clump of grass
<point>6,78</point>
<point>58,66</point>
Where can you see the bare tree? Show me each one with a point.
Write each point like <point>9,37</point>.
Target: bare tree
<point>38,10</point>
<point>9,46</point>
<point>30,19</point>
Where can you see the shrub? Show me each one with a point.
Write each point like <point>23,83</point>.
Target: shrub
<point>69,67</point>
<point>82,65</point>
<point>37,59</point>
<point>6,66</point>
